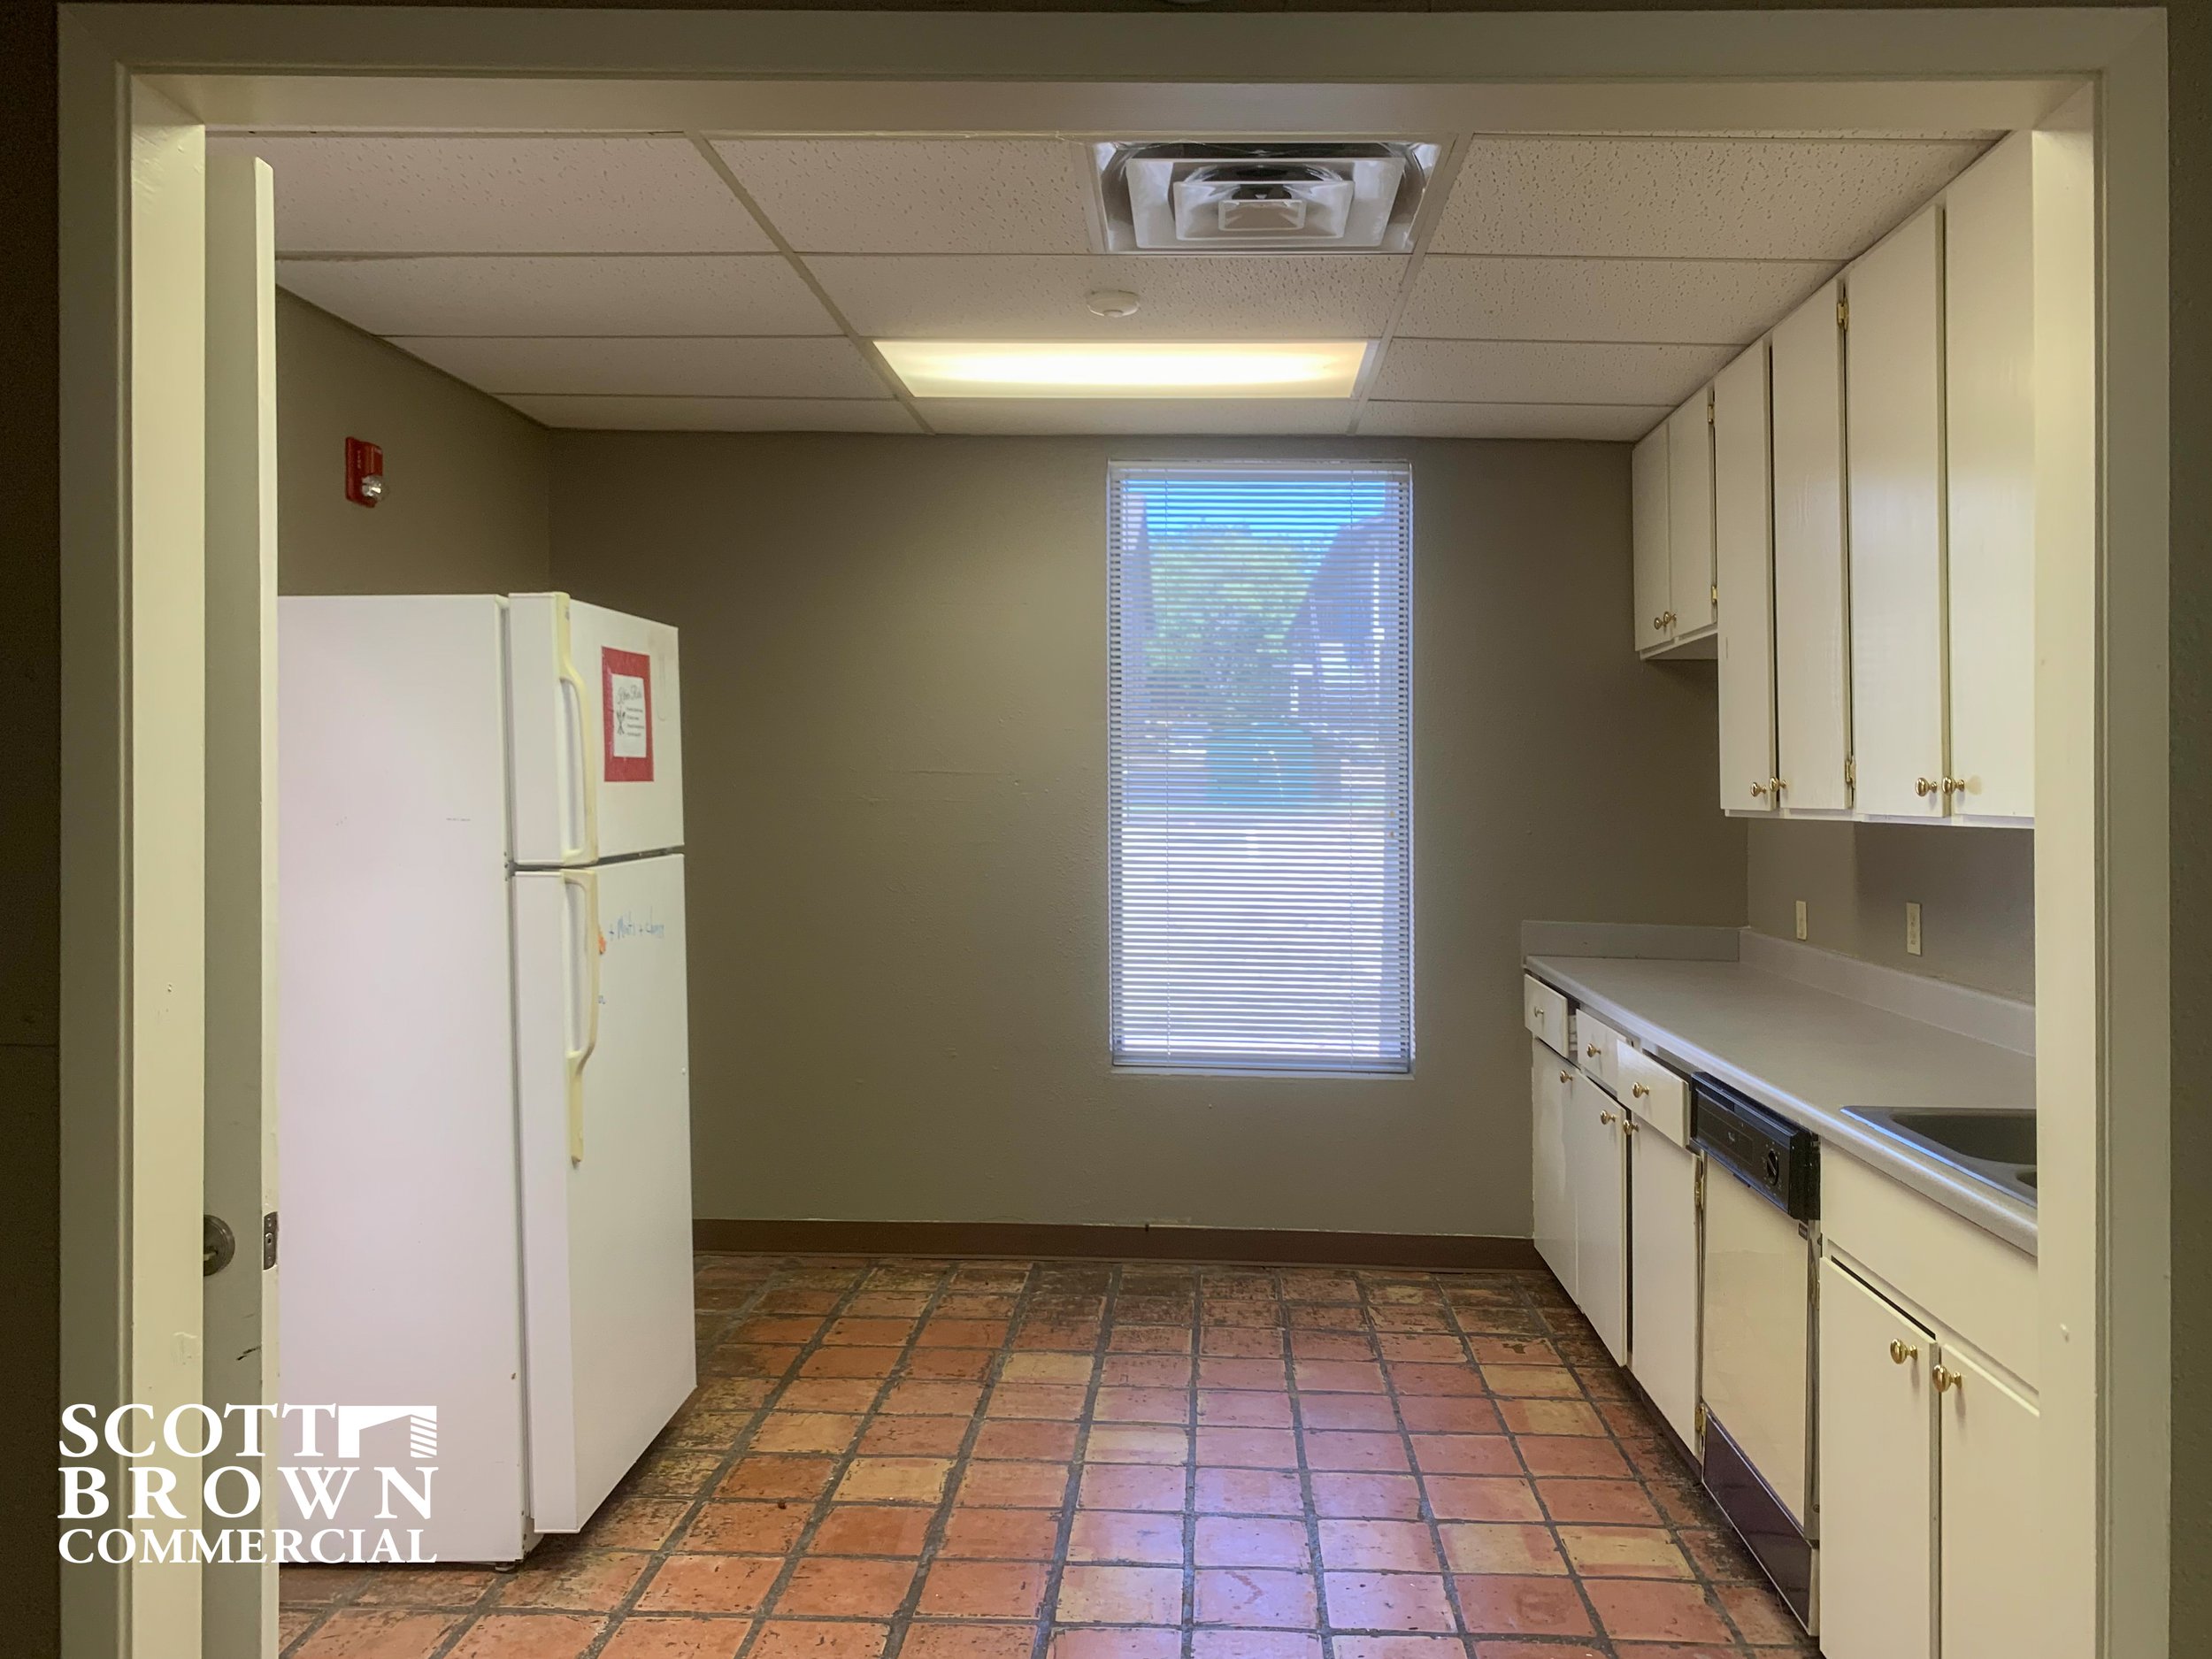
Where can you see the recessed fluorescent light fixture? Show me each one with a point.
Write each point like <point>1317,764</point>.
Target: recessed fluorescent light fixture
<point>1107,368</point>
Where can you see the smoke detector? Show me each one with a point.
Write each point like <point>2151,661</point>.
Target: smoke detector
<point>1289,197</point>
<point>1112,303</point>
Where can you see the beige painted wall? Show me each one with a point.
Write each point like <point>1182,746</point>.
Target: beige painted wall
<point>465,477</point>
<point>1975,889</point>
<point>894,701</point>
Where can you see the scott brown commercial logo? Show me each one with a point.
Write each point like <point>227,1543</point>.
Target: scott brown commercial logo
<point>227,1445</point>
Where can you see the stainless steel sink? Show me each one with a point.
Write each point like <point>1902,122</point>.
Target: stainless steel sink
<point>1992,1144</point>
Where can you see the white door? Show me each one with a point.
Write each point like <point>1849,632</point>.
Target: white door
<point>1893,421</point>
<point>605,1108</point>
<point>1690,516</point>
<point>238,1599</point>
<point>598,759</point>
<point>1549,1083</point>
<point>1812,653</point>
<point>1758,1314</point>
<point>1647,533</point>
<point>1989,402</point>
<point>1877,1476</point>
<point>1662,1269</point>
<point>1743,537</point>
<point>1991,1449</point>
<point>1597,1177</point>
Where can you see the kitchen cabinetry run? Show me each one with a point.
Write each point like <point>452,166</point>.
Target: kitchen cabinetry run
<point>1743,559</point>
<point>1812,632</point>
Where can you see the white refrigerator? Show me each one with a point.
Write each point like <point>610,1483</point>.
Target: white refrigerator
<point>484,1131</point>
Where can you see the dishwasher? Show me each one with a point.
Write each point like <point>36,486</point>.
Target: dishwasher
<point>1761,1208</point>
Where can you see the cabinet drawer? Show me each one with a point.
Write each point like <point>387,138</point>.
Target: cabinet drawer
<point>1965,1278</point>
<point>1597,1049</point>
<point>1660,1097</point>
<point>1544,1011</point>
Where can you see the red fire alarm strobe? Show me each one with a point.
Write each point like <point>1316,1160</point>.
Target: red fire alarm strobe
<point>365,472</point>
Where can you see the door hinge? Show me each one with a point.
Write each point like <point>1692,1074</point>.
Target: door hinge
<point>1716,593</point>
<point>1850,771</point>
<point>1699,1190</point>
<point>268,1240</point>
<point>1708,413</point>
<point>1700,1419</point>
<point>1843,312</point>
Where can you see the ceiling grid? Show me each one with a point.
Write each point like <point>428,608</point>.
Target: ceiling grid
<point>1558,286</point>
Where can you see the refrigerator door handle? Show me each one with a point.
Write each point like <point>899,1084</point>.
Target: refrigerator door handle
<point>588,787</point>
<point>586,883</point>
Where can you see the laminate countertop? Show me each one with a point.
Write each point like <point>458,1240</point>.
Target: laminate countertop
<point>1810,1053</point>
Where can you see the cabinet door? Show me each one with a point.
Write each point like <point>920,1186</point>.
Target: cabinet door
<point>1894,438</point>
<point>1743,558</point>
<point>1549,1083</point>
<point>1812,651</point>
<point>1690,517</point>
<point>1647,529</point>
<point>1597,1176</point>
<point>1990,1538</point>
<point>1663,1273</point>
<point>1989,396</point>
<point>1876,1470</point>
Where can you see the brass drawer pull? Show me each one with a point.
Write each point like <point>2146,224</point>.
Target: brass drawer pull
<point>1606,1118</point>
<point>1638,1090</point>
<point>1901,1351</point>
<point>1590,1050</point>
<point>1946,1379</point>
<point>1566,1077</point>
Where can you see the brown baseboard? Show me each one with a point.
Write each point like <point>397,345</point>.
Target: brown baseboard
<point>1113,1243</point>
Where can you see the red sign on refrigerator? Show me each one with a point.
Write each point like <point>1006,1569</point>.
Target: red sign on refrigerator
<point>625,694</point>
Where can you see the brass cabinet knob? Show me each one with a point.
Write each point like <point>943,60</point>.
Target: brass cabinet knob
<point>1638,1090</point>
<point>1757,790</point>
<point>1946,1379</point>
<point>1901,1351</point>
<point>1658,623</point>
<point>1924,786</point>
<point>1776,784</point>
<point>1590,1048</point>
<point>1953,786</point>
<point>1566,1077</point>
<point>1606,1118</point>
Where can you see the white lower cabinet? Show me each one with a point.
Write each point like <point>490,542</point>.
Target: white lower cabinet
<point>1550,1083</point>
<point>1662,1272</point>
<point>1597,1182</point>
<point>1988,1538</point>
<point>1928,1489</point>
<point>1876,1439</point>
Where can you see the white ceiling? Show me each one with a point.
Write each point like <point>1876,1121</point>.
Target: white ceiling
<point>1561,287</point>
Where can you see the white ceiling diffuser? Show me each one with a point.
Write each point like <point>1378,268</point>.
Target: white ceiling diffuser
<point>1339,197</point>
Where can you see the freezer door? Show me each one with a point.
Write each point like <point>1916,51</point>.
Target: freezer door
<point>595,707</point>
<point>605,1106</point>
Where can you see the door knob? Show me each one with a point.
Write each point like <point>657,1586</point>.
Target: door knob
<point>1900,1352</point>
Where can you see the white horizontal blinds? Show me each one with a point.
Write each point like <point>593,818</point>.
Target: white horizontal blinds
<point>1259,786</point>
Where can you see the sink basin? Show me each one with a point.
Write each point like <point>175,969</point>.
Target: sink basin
<point>1994,1145</point>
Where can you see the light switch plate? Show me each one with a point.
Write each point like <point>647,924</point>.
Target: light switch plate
<point>1801,919</point>
<point>1912,928</point>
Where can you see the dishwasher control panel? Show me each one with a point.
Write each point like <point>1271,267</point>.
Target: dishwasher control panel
<point>1779,1159</point>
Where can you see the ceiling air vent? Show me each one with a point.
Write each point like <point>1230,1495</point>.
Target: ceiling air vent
<point>1342,197</point>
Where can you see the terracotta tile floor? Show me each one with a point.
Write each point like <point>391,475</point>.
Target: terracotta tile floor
<point>907,1459</point>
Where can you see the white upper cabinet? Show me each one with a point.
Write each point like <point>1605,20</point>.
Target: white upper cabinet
<point>1894,437</point>
<point>1648,481</point>
<point>1989,349</point>
<point>1743,534</point>
<point>1812,657</point>
<point>1689,609</point>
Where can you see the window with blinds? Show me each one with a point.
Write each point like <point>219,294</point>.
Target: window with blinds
<point>1259,781</point>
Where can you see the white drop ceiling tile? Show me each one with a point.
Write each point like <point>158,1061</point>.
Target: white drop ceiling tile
<point>1545,371</point>
<point>412,194</point>
<point>1180,296</point>
<point>1702,301</point>
<point>1244,416</point>
<point>1682,197</point>
<point>715,414</point>
<point>661,367</point>
<point>675,294</point>
<point>917,196</point>
<point>1599,423</point>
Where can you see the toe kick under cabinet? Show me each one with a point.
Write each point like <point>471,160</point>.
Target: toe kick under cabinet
<point>1928,1429</point>
<point>1616,1195</point>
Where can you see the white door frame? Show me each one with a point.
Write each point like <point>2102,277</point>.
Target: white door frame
<point>131,748</point>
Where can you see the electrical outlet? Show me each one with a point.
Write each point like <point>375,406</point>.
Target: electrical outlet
<point>1912,928</point>
<point>1801,919</point>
